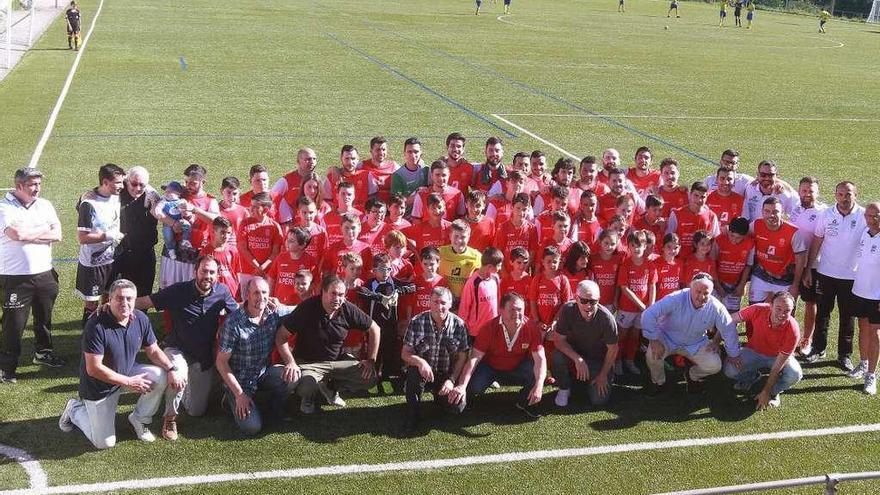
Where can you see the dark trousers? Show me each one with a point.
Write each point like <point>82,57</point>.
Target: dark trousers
<point>389,363</point>
<point>827,290</point>
<point>484,375</point>
<point>21,295</point>
<point>139,266</point>
<point>416,386</point>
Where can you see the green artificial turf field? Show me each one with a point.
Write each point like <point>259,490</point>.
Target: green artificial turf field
<point>164,84</point>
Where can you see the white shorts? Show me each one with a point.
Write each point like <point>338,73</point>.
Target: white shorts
<point>760,290</point>
<point>629,319</point>
<point>730,301</point>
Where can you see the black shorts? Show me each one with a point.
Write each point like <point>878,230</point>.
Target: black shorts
<point>808,294</point>
<point>866,308</point>
<point>73,28</point>
<point>92,281</point>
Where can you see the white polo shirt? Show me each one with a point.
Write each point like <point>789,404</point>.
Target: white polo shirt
<point>25,258</point>
<point>753,203</point>
<point>867,279</point>
<point>740,184</point>
<point>842,235</point>
<point>806,219</point>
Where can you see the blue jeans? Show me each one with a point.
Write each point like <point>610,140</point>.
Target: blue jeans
<point>270,381</point>
<point>560,367</point>
<point>484,375</point>
<point>752,363</point>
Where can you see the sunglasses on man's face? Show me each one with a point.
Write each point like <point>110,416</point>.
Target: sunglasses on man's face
<point>588,302</point>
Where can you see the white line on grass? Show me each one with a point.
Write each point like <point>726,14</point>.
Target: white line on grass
<point>39,481</point>
<point>517,24</point>
<point>539,138</point>
<point>691,117</point>
<point>50,125</point>
<point>535,455</point>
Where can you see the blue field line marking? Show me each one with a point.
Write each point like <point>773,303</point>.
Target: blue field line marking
<point>540,92</point>
<point>424,87</point>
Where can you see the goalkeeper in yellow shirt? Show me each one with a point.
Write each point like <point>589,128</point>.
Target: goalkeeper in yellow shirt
<point>823,18</point>
<point>723,12</point>
<point>750,13</point>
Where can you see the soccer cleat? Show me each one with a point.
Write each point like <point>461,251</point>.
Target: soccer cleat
<point>331,396</point>
<point>815,357</point>
<point>8,377</point>
<point>49,359</point>
<point>169,427</point>
<point>845,364</point>
<point>775,401</point>
<point>497,386</point>
<point>631,367</point>
<point>531,412</point>
<point>562,397</point>
<point>64,422</point>
<point>307,406</point>
<point>870,383</point>
<point>141,430</point>
<point>859,370</point>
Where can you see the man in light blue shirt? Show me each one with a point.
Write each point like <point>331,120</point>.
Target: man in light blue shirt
<point>678,324</point>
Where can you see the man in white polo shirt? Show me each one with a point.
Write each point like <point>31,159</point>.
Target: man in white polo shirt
<point>836,240</point>
<point>730,159</point>
<point>805,216</point>
<point>768,185</point>
<point>866,292</point>
<point>28,228</point>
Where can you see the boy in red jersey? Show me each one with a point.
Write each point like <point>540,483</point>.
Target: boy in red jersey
<point>685,221</point>
<point>351,229</point>
<point>305,217</point>
<point>396,209</point>
<point>643,177</point>
<point>517,278</point>
<point>452,197</point>
<point>674,195</point>
<point>282,274</point>
<point>259,241</point>
<point>668,267</point>
<point>652,220</point>
<point>734,252</point>
<point>638,290</point>
<point>363,180</point>
<point>259,177</point>
<point>425,282</point>
<point>482,227</point>
<point>701,260</point>
<point>549,291</point>
<point>626,207</point>
<point>374,228</point>
<point>517,232</point>
<point>780,254</point>
<point>558,202</point>
<point>559,238</point>
<point>723,200</point>
<point>231,209</point>
<point>226,254</point>
<point>431,232</point>
<point>352,266</point>
<point>395,245</point>
<point>605,266</point>
<point>586,225</point>
<point>500,207</point>
<point>380,166</point>
<point>344,205</point>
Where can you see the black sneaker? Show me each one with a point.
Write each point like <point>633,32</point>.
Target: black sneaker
<point>49,359</point>
<point>7,377</point>
<point>815,357</point>
<point>846,364</point>
<point>530,411</point>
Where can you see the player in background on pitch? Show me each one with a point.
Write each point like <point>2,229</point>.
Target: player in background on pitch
<point>750,13</point>
<point>506,7</point>
<point>823,18</point>
<point>673,6</point>
<point>737,13</point>
<point>723,12</point>
<point>74,21</point>
<point>621,6</point>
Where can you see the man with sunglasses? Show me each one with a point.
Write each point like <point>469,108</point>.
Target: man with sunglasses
<point>678,324</point>
<point>767,185</point>
<point>586,337</point>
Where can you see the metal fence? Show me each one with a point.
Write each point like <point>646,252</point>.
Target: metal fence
<point>830,481</point>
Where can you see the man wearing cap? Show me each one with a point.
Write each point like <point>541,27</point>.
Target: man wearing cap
<point>136,256</point>
<point>28,228</point>
<point>678,324</point>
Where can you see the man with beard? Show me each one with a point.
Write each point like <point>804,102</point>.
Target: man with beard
<point>491,170</point>
<point>769,185</point>
<point>461,171</point>
<point>730,159</point>
<point>780,255</point>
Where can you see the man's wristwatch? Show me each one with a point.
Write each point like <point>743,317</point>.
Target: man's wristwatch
<point>172,368</point>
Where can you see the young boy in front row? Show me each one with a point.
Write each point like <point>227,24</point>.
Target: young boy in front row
<point>282,273</point>
<point>549,291</point>
<point>481,292</point>
<point>733,253</point>
<point>425,281</point>
<point>638,288</point>
<point>517,278</point>
<point>226,255</point>
<point>457,259</point>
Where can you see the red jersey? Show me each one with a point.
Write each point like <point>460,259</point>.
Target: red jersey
<point>423,234</point>
<point>246,198</point>
<point>638,279</point>
<point>491,341</point>
<point>544,226</point>
<point>605,275</point>
<point>562,245</point>
<point>452,199</point>
<point>658,229</point>
<point>333,225</point>
<point>508,236</point>
<point>766,339</point>
<point>401,224</point>
<point>575,278</point>
<point>283,272</point>
<point>382,175</point>
<point>318,245</point>
<point>482,233</point>
<point>236,214</point>
<point>500,209</point>
<point>402,269</point>
<point>733,258</point>
<point>677,198</point>
<point>201,229</point>
<point>332,262</point>
<point>420,300</point>
<point>291,195</point>
<point>228,267</point>
<point>549,294</point>
<point>774,250</point>
<point>588,232</point>
<point>521,286</point>
<point>644,184</point>
<point>363,181</point>
<point>571,206</point>
<point>694,266</point>
<point>725,207</point>
<point>668,276</point>
<point>607,207</point>
<point>687,222</point>
<point>260,237</point>
<point>376,238</point>
<point>461,175</point>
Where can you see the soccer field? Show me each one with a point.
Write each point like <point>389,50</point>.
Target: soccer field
<point>164,84</point>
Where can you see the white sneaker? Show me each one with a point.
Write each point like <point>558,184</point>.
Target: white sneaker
<point>143,433</point>
<point>331,396</point>
<point>618,368</point>
<point>859,371</point>
<point>64,422</point>
<point>562,397</point>
<point>495,386</point>
<point>631,367</point>
<point>775,401</point>
<point>870,383</point>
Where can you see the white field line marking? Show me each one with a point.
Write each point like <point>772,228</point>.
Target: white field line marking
<point>39,481</point>
<point>534,455</point>
<point>539,138</point>
<point>50,125</point>
<point>689,117</point>
<point>517,24</point>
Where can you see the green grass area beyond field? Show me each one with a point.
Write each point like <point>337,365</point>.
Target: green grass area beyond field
<point>164,84</point>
